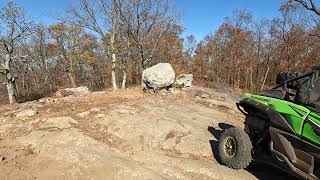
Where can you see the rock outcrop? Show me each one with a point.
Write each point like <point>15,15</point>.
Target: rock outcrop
<point>26,113</point>
<point>184,81</point>
<point>81,91</point>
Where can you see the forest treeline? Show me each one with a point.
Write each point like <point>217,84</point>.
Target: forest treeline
<point>108,43</point>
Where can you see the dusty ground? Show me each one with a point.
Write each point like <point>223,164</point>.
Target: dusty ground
<point>121,135</point>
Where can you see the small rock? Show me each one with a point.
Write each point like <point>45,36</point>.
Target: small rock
<point>123,111</point>
<point>42,101</point>
<point>204,96</point>
<point>82,91</point>
<point>58,122</point>
<point>84,114</point>
<point>47,100</point>
<point>95,110</point>
<point>100,115</point>
<point>176,92</point>
<point>186,88</point>
<point>48,110</point>
<point>151,91</point>
<point>67,98</point>
<point>163,92</point>
<point>184,81</point>
<point>26,113</point>
<point>99,92</point>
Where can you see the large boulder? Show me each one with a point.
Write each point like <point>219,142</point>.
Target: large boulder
<point>184,80</point>
<point>158,77</point>
<point>81,91</point>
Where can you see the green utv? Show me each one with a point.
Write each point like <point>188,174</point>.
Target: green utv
<point>282,127</point>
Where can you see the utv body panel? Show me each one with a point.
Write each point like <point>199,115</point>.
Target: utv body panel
<point>285,115</point>
<point>282,128</point>
<point>296,154</point>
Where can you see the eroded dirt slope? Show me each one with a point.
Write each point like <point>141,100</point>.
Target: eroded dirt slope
<point>120,135</point>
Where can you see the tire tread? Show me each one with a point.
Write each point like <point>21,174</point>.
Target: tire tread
<point>243,156</point>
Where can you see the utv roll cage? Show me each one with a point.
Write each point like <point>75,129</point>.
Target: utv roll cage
<point>285,83</point>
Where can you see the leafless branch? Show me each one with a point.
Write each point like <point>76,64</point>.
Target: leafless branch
<point>310,6</point>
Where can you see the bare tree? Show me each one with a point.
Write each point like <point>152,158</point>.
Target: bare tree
<point>148,21</point>
<point>130,34</point>
<point>310,5</point>
<point>100,17</point>
<point>14,26</point>
<point>126,58</point>
<point>68,41</point>
<point>40,41</point>
<point>189,48</point>
<point>260,31</point>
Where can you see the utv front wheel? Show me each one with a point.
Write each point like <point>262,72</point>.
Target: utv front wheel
<point>235,148</point>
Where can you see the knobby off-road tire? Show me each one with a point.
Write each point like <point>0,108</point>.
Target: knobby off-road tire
<point>235,148</point>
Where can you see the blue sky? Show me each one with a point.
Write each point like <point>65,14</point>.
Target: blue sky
<point>204,16</point>
<point>200,17</point>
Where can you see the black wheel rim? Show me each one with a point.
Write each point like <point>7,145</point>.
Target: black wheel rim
<point>230,148</point>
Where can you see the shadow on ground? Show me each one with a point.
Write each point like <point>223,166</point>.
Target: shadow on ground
<point>258,169</point>
<point>216,132</point>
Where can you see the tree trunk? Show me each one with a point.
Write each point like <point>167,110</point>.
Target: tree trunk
<point>124,79</point>
<point>143,65</point>
<point>24,81</point>
<point>251,75</point>
<point>125,62</point>
<point>70,71</point>
<point>114,60</point>
<point>143,59</point>
<point>238,82</point>
<point>72,79</point>
<point>46,73</point>
<point>246,80</point>
<point>142,68</point>
<point>11,86</point>
<point>134,72</point>
<point>113,73</point>
<point>11,91</point>
<point>264,79</point>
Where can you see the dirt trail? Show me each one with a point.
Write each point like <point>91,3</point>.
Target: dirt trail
<point>121,135</point>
